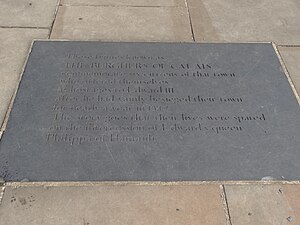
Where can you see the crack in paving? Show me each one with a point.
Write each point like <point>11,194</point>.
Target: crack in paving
<point>190,19</point>
<point>54,18</point>
<point>225,204</point>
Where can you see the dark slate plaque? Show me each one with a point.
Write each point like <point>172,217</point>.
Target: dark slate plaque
<point>92,111</point>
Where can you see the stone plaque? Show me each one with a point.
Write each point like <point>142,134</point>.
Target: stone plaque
<point>92,111</point>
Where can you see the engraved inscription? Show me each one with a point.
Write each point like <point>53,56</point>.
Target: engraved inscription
<point>169,112</point>
<point>129,99</point>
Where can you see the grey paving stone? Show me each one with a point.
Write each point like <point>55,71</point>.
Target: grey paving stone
<point>125,2</point>
<point>113,205</point>
<point>122,23</point>
<point>152,111</point>
<point>291,58</point>
<point>27,13</point>
<point>275,204</point>
<point>246,21</point>
<point>14,45</point>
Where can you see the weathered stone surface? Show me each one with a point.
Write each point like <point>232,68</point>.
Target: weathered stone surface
<point>27,13</point>
<point>292,196</point>
<point>122,23</point>
<point>152,111</point>
<point>125,2</point>
<point>14,45</point>
<point>264,204</point>
<point>291,58</point>
<point>246,21</point>
<point>113,205</point>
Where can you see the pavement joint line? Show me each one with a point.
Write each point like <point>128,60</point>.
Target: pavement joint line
<point>225,204</point>
<point>290,46</point>
<point>143,183</point>
<point>154,42</point>
<point>286,72</point>
<point>54,18</point>
<point>114,41</point>
<point>190,19</point>
<point>23,27</point>
<point>6,117</point>
<point>120,6</point>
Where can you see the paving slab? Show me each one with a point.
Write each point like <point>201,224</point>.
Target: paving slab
<point>291,58</point>
<point>246,21</point>
<point>14,45</point>
<point>27,13</point>
<point>273,204</point>
<point>122,23</point>
<point>113,205</point>
<point>125,2</point>
<point>109,111</point>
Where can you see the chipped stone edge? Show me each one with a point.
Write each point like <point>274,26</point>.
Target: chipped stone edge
<point>143,183</point>
<point>286,72</point>
<point>2,193</point>
<point>6,117</point>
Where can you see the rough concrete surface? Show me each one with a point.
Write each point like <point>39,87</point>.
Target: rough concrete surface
<point>291,58</point>
<point>246,21</point>
<point>122,24</point>
<point>27,13</point>
<point>263,204</point>
<point>14,45</point>
<point>113,204</point>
